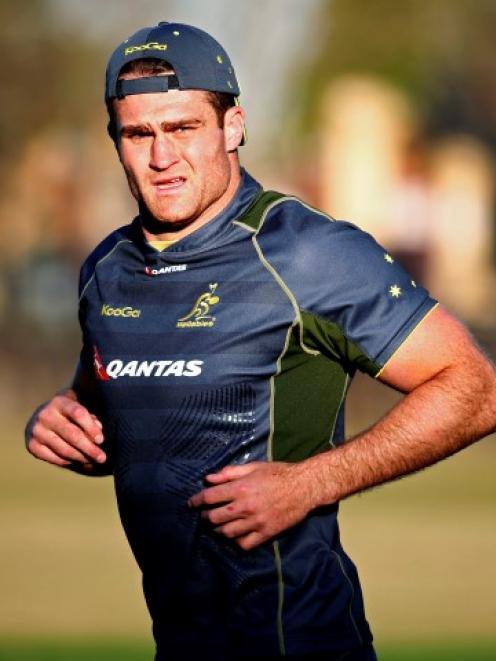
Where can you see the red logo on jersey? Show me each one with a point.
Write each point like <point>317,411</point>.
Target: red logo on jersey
<point>100,371</point>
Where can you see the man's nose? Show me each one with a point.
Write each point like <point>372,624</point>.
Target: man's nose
<point>163,152</point>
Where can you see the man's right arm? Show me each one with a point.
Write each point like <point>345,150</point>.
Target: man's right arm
<point>65,433</point>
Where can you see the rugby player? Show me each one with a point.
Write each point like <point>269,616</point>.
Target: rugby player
<point>221,329</point>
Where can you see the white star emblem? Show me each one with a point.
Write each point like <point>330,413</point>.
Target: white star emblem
<point>395,291</point>
<point>388,258</point>
<point>414,284</point>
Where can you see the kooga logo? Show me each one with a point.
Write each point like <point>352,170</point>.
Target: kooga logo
<point>128,311</point>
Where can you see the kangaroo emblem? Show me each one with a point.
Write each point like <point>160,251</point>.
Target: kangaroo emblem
<point>201,308</point>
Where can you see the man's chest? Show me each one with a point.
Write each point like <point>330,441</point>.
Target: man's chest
<point>212,319</point>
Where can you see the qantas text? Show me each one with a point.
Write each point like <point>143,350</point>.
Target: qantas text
<point>149,368</point>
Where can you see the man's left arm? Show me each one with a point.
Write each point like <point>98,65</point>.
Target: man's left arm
<point>450,403</point>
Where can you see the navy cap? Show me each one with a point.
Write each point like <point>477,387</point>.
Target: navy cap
<point>198,60</point>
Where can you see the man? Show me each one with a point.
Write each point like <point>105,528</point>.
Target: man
<point>220,333</point>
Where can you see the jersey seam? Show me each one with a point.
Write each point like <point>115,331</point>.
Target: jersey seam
<point>276,274</point>
<point>414,328</point>
<point>313,209</point>
<point>359,346</point>
<point>270,454</point>
<point>244,226</point>
<point>285,198</point>
<point>343,570</point>
<point>338,410</point>
<point>270,457</point>
<point>102,259</point>
<point>280,598</point>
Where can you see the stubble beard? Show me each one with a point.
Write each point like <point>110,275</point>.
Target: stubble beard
<point>178,216</point>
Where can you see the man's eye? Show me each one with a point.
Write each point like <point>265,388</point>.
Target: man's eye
<point>138,135</point>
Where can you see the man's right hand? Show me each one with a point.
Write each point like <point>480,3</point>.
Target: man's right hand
<point>65,433</point>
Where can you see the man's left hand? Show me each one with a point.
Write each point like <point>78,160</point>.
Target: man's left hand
<point>253,502</point>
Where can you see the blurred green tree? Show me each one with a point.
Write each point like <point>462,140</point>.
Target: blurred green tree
<point>49,77</point>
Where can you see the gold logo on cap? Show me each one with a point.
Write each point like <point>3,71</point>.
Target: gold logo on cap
<point>152,45</point>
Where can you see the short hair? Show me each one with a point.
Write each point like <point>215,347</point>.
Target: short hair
<point>145,67</point>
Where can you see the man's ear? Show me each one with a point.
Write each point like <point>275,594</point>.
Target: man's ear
<point>234,127</point>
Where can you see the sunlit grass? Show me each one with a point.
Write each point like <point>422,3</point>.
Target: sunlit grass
<point>43,650</point>
<point>133,650</point>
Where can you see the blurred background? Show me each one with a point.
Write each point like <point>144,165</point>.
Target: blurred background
<point>380,112</point>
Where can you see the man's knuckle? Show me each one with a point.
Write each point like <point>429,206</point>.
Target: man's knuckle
<point>36,429</point>
<point>244,510</point>
<point>57,402</point>
<point>207,515</point>
<point>51,439</point>
<point>33,447</point>
<point>243,490</point>
<point>72,435</point>
<point>244,544</point>
<point>43,416</point>
<point>259,521</point>
<point>250,506</point>
<point>79,412</point>
<point>72,408</point>
<point>208,498</point>
<point>213,516</point>
<point>66,432</point>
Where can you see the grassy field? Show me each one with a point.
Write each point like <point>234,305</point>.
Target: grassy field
<point>425,547</point>
<point>140,651</point>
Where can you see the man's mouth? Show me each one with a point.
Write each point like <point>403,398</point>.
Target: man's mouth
<point>169,185</point>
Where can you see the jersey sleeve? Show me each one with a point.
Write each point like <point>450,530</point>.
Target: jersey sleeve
<point>356,301</point>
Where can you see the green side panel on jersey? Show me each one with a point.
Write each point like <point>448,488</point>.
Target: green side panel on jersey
<point>327,337</point>
<point>310,390</point>
<point>253,215</point>
<point>308,395</point>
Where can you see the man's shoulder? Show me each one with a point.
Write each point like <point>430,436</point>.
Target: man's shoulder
<point>103,250</point>
<point>300,228</point>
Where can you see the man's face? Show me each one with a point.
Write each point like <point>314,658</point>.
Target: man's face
<point>174,154</point>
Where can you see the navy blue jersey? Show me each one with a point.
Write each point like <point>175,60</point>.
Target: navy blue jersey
<point>237,344</point>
